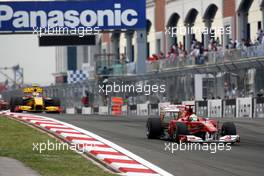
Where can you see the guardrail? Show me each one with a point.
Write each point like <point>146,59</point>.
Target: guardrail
<point>114,67</point>
<point>217,108</point>
<point>213,57</point>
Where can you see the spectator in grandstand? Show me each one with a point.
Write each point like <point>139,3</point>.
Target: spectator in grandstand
<point>85,99</point>
<point>180,46</point>
<point>237,45</point>
<point>248,43</point>
<point>173,52</point>
<point>234,92</point>
<point>161,55</point>
<point>231,44</point>
<point>128,60</point>
<point>105,71</point>
<point>260,36</point>
<point>154,57</point>
<point>262,40</point>
<point>244,44</point>
<point>123,58</point>
<point>198,52</point>
<point>195,52</point>
<point>193,44</point>
<point>260,93</point>
<point>212,45</point>
<point>182,53</point>
<point>217,42</point>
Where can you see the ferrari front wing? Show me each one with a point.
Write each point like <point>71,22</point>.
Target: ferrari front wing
<point>222,139</point>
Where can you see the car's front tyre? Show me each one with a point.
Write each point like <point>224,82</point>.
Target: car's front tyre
<point>153,128</point>
<point>180,129</point>
<point>14,102</point>
<point>228,128</point>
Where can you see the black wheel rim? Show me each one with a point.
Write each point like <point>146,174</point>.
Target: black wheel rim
<point>147,130</point>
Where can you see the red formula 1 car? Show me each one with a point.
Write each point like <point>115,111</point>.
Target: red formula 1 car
<point>180,124</point>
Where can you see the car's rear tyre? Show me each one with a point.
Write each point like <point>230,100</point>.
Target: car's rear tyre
<point>228,128</point>
<point>180,129</point>
<point>153,128</point>
<point>14,102</point>
<point>52,102</point>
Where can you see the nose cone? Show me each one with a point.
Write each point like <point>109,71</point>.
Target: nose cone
<point>210,127</point>
<point>38,100</point>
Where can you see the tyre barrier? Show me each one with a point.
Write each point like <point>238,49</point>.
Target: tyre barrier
<point>132,110</point>
<point>244,107</point>
<point>214,108</point>
<point>124,110</point>
<point>259,107</point>
<point>142,109</point>
<point>217,108</point>
<point>153,109</point>
<point>103,110</point>
<point>116,110</point>
<point>71,111</point>
<point>86,110</point>
<point>95,110</point>
<point>116,106</point>
<point>229,108</point>
<point>201,108</point>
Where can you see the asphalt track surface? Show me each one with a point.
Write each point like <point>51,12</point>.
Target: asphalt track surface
<point>244,159</point>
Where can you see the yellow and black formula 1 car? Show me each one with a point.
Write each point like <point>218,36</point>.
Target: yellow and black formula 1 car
<point>33,101</point>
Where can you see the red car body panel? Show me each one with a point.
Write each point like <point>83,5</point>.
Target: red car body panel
<point>201,125</point>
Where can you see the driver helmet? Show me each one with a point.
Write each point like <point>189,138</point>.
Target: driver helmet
<point>35,94</point>
<point>193,118</point>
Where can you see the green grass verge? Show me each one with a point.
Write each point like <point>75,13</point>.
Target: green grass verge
<point>16,141</point>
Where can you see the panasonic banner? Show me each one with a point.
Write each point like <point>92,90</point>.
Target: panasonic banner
<point>103,14</point>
